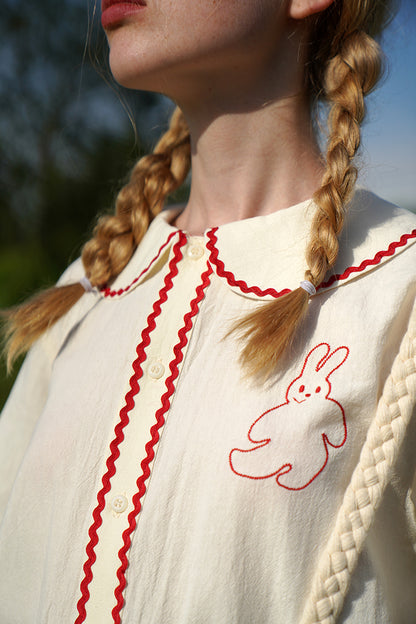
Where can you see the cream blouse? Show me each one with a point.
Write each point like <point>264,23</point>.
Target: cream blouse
<point>145,480</point>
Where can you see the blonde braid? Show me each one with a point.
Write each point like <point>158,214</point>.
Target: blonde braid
<point>368,483</point>
<point>350,75</point>
<point>115,237</point>
<point>153,178</point>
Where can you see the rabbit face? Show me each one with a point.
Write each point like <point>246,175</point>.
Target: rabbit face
<point>313,381</point>
<point>299,392</point>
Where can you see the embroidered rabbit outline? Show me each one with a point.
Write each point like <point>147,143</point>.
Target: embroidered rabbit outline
<point>296,462</point>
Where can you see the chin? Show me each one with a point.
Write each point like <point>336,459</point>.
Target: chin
<point>129,70</point>
<point>135,66</point>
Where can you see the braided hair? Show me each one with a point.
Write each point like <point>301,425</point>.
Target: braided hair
<point>115,237</point>
<point>344,64</point>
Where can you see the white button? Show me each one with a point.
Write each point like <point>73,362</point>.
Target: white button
<point>195,252</point>
<point>119,503</point>
<point>156,370</point>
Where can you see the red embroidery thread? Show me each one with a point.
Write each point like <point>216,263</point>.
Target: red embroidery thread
<point>242,285</point>
<point>273,433</point>
<point>155,436</point>
<point>107,292</point>
<point>124,419</point>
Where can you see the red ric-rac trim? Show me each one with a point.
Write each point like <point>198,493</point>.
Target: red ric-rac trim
<point>107,292</point>
<point>124,420</point>
<point>155,436</point>
<point>222,272</point>
<point>242,285</point>
<point>372,262</point>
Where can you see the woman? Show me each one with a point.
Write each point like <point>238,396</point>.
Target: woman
<point>195,437</point>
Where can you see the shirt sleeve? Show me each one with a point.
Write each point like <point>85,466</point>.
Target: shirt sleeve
<point>21,412</point>
<point>20,415</point>
<point>413,488</point>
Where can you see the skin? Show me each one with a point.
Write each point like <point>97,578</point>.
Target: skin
<point>236,70</point>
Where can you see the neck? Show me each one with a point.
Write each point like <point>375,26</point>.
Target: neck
<point>253,146</point>
<point>249,165</point>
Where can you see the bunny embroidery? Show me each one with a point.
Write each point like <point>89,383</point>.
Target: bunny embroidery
<point>291,440</point>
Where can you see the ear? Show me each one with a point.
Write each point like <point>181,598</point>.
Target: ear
<point>334,361</point>
<point>299,9</point>
<point>314,359</point>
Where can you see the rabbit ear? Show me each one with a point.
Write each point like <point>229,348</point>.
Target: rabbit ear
<point>333,361</point>
<point>316,357</point>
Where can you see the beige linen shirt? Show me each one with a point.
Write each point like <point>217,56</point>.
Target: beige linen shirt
<point>145,480</point>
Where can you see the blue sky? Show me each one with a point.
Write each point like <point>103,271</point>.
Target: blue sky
<point>389,139</point>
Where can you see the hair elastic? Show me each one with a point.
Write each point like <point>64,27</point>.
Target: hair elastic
<point>86,284</point>
<point>309,287</point>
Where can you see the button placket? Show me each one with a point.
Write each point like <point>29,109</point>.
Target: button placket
<point>159,353</point>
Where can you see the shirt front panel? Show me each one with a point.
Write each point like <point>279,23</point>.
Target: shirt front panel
<point>220,533</point>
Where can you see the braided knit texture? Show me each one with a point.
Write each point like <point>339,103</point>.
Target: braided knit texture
<point>366,488</point>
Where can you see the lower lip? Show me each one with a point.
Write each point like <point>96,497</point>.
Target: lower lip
<point>117,13</point>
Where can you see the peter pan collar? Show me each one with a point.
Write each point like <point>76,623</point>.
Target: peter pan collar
<point>264,257</point>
